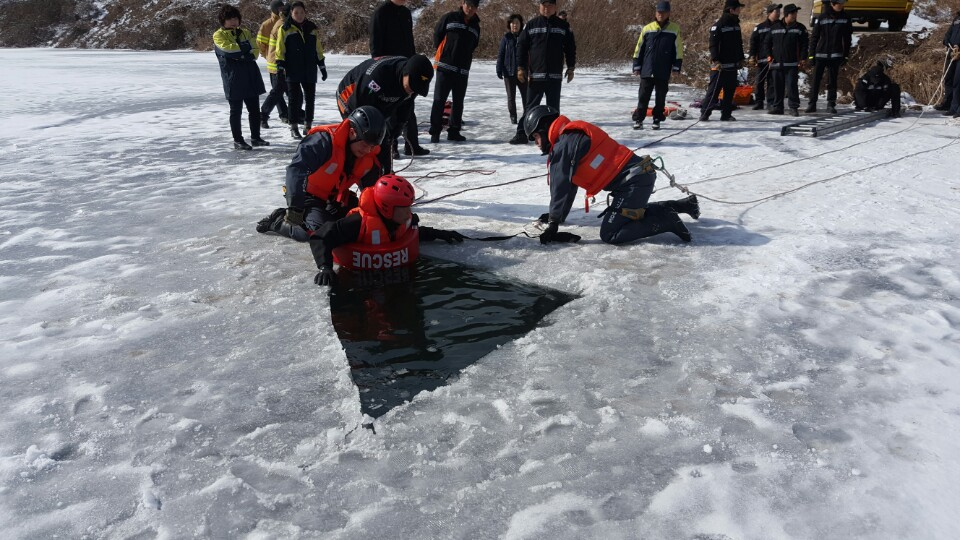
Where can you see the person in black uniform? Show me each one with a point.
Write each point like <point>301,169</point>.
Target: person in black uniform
<point>389,84</point>
<point>759,51</point>
<point>391,34</point>
<point>456,37</point>
<point>875,89</point>
<point>726,58</point>
<point>543,45</point>
<point>787,43</point>
<point>829,49</point>
<point>951,79</point>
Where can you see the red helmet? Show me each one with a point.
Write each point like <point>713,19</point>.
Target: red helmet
<point>391,191</point>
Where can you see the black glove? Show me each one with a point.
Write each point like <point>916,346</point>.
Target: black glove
<point>500,76</point>
<point>294,216</point>
<point>544,217</point>
<point>550,233</point>
<point>566,237</point>
<point>450,237</point>
<point>323,74</point>
<point>326,277</point>
<point>245,46</point>
<point>334,208</point>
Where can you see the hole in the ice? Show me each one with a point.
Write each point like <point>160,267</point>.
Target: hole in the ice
<point>411,330</point>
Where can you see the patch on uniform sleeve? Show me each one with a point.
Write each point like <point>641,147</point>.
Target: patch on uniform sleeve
<point>712,28</point>
<point>373,86</point>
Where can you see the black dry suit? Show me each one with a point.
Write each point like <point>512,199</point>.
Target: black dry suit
<point>630,215</point>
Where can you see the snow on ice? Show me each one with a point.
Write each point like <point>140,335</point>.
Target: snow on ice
<point>166,371</point>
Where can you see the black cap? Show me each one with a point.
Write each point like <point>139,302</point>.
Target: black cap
<point>663,6</point>
<point>548,1</point>
<point>276,6</point>
<point>773,7</point>
<point>474,3</point>
<point>421,73</point>
<point>790,8</point>
<point>732,4</point>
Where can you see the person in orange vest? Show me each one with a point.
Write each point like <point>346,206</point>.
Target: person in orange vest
<point>583,156</point>
<point>383,216</point>
<point>328,162</point>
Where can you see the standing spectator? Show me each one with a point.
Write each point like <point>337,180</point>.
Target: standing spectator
<point>456,37</point>
<point>267,41</point>
<point>788,45</point>
<point>829,49</point>
<point>507,65</point>
<point>391,34</point>
<point>726,58</point>
<point>759,51</point>
<point>659,51</point>
<point>299,54</point>
<point>237,52</point>
<point>875,89</point>
<point>389,84</point>
<point>952,42</point>
<point>542,47</point>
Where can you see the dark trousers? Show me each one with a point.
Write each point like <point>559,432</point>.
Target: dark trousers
<point>253,114</point>
<point>301,95</point>
<point>763,85</point>
<point>446,83</point>
<point>955,102</point>
<point>659,217</point>
<point>275,98</point>
<point>786,82</point>
<point>832,67</point>
<point>410,130</point>
<point>949,74</point>
<point>314,215</point>
<point>878,99</point>
<point>536,91</point>
<point>512,84</point>
<point>647,87</point>
<point>723,79</point>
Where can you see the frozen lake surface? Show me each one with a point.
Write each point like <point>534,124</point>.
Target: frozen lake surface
<point>165,371</point>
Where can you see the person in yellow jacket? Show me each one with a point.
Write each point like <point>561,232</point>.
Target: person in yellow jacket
<point>267,41</point>
<point>299,54</point>
<point>237,52</point>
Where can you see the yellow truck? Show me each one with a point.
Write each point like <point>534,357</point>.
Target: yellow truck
<point>872,12</point>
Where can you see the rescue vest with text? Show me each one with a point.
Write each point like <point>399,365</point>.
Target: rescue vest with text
<point>331,180</point>
<point>376,248</point>
<point>605,159</point>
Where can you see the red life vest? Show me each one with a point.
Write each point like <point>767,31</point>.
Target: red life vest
<point>605,159</point>
<point>375,248</point>
<point>330,181</point>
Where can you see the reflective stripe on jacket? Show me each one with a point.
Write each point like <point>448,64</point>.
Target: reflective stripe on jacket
<point>331,179</point>
<point>788,45</point>
<point>602,162</point>
<point>831,36</point>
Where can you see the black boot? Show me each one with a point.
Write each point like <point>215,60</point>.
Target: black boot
<point>241,145</point>
<point>409,149</point>
<point>295,132</point>
<point>519,138</point>
<point>689,206</point>
<point>264,124</point>
<point>257,141</point>
<point>266,224</point>
<point>455,136</point>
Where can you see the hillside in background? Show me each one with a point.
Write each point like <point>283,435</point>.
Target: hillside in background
<point>606,31</point>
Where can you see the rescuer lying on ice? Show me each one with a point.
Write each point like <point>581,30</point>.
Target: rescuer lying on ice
<point>328,161</point>
<point>381,233</point>
<point>584,156</point>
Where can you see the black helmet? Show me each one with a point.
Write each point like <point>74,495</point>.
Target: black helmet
<point>368,122</point>
<point>539,118</point>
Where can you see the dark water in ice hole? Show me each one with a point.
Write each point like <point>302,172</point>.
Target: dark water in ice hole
<point>410,330</point>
